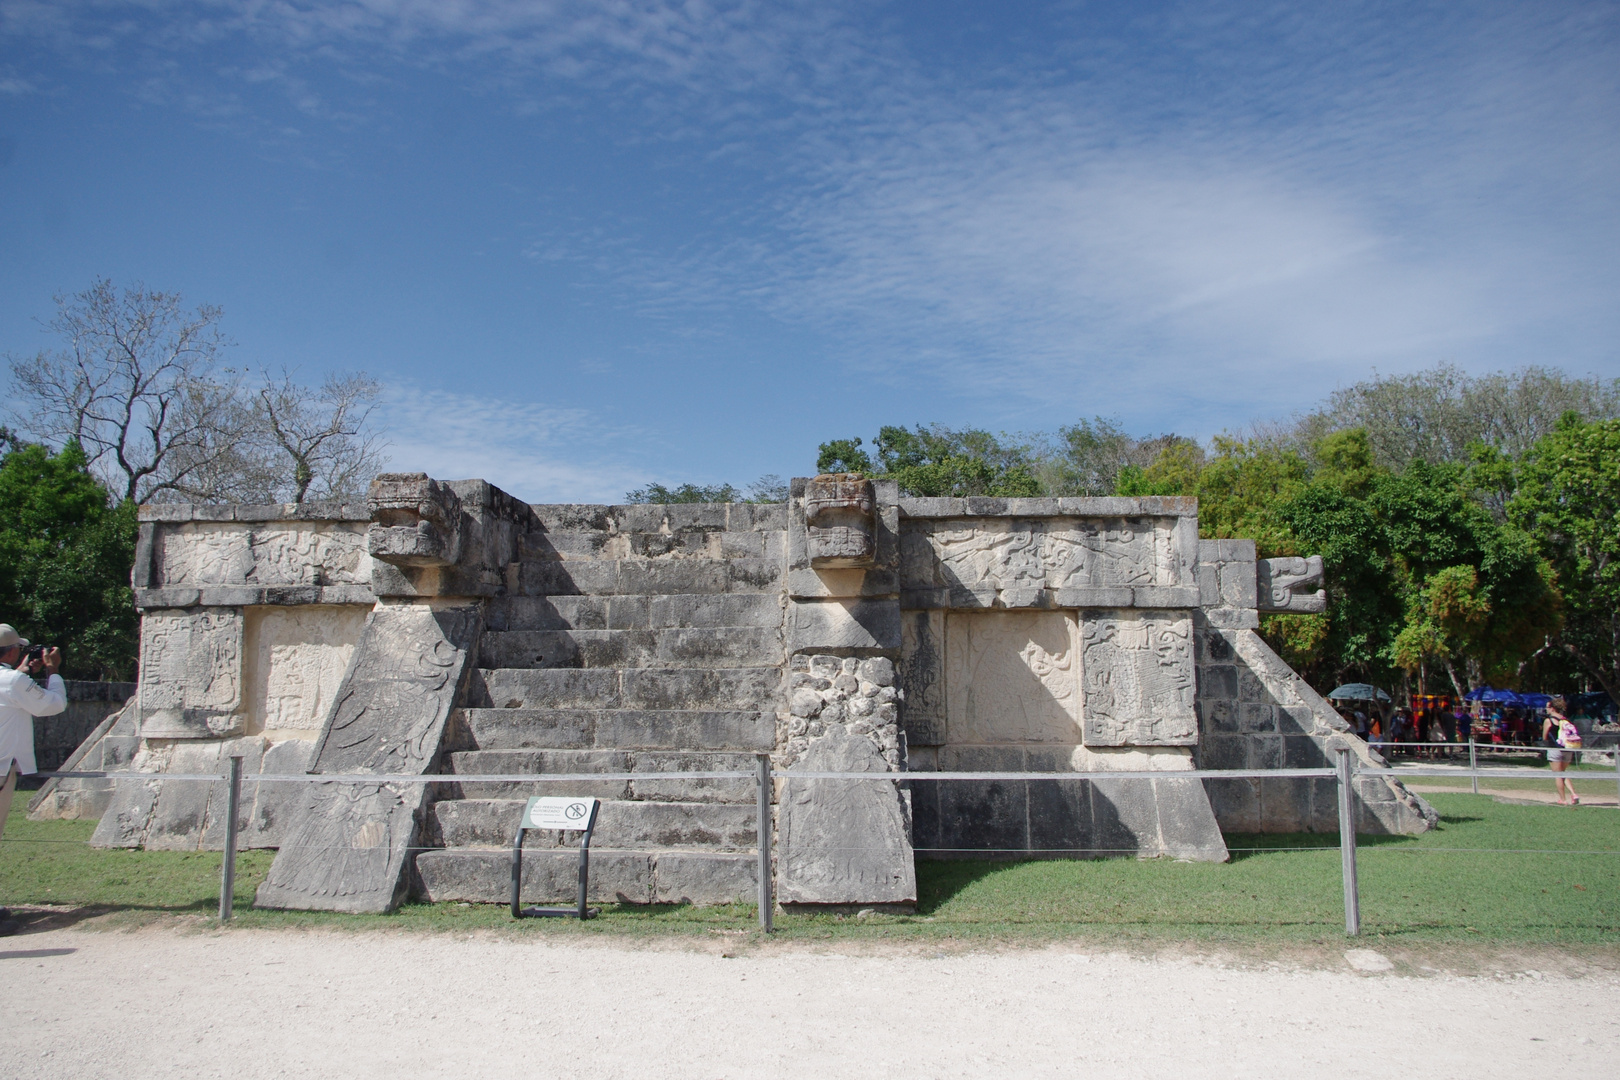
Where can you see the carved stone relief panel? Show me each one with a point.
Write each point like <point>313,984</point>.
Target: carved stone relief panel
<point>1139,679</point>
<point>841,530</point>
<point>922,676</point>
<point>296,657</point>
<point>1055,553</point>
<point>191,674</point>
<point>416,521</point>
<point>1012,677</point>
<point>391,708</point>
<point>202,553</point>
<point>1284,584</point>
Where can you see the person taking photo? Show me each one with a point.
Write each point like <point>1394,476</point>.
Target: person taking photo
<point>22,699</point>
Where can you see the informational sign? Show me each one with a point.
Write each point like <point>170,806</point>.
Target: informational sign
<point>553,812</point>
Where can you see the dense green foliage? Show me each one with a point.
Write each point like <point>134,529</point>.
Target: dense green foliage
<point>936,461</point>
<point>1566,493</point>
<point>686,493</point>
<point>1427,573</point>
<point>65,558</point>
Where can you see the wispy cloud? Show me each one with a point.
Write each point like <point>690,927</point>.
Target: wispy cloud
<point>1206,211</point>
<point>533,451</point>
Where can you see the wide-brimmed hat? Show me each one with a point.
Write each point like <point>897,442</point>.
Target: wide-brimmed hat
<point>10,637</point>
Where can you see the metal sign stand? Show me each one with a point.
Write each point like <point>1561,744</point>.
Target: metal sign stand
<point>589,824</point>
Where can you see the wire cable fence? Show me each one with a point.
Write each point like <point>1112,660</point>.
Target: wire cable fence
<point>766,780</point>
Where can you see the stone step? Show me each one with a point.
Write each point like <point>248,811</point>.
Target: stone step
<point>749,688</point>
<point>615,729</point>
<point>646,577</point>
<point>635,612</point>
<point>654,788</point>
<point>484,875</point>
<point>708,826</point>
<point>728,646</point>
<point>656,517</point>
<point>686,544</point>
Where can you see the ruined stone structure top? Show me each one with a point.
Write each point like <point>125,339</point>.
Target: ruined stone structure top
<point>448,628</point>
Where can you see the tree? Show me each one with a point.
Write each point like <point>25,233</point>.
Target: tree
<point>1475,590</point>
<point>843,456</point>
<point>1173,470</point>
<point>1089,456</point>
<point>686,493</point>
<point>1241,489</point>
<point>1439,415</point>
<point>321,436</point>
<point>939,461</point>
<point>1419,574</point>
<point>1567,496</point>
<point>65,554</point>
<point>769,488</point>
<point>139,386</point>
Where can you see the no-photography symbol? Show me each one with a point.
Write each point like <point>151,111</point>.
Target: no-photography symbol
<point>574,811</point>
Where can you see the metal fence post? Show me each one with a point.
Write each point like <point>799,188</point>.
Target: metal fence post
<point>227,877</point>
<point>1347,845</point>
<point>1473,761</point>
<point>1616,750</point>
<point>762,781</point>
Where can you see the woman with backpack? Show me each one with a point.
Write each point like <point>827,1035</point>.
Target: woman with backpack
<point>1563,741</point>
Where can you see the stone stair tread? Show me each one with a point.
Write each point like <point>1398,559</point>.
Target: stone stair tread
<point>742,730</point>
<point>473,823</point>
<point>635,611</point>
<point>738,646</point>
<point>643,576</point>
<point>654,787</point>
<point>609,760</point>
<point>677,544</point>
<point>635,688</point>
<point>638,876</point>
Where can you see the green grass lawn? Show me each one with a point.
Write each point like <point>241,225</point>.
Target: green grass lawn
<point>1490,873</point>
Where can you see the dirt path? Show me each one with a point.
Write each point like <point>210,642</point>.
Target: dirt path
<point>1589,793</point>
<point>249,1003</point>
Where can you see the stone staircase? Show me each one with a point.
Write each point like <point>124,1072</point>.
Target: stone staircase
<point>634,639</point>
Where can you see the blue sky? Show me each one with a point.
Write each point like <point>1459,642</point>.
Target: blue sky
<point>589,245</point>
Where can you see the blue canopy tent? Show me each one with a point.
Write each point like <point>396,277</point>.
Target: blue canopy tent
<point>1497,697</point>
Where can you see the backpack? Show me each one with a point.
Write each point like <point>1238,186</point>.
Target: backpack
<point>1569,736</point>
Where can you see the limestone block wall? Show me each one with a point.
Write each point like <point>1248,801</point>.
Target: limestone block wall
<point>250,616</point>
<point>1052,635</point>
<point>1255,712</point>
<point>89,704</point>
<point>842,842</point>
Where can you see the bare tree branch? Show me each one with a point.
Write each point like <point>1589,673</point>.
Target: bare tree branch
<point>137,384</point>
<point>325,442</point>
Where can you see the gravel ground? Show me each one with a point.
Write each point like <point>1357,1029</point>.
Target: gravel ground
<point>176,1002</point>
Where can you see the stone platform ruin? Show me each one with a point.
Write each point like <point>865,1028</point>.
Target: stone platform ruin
<point>446,628</point>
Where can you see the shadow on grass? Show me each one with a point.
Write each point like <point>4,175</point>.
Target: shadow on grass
<point>1244,846</point>
<point>940,880</point>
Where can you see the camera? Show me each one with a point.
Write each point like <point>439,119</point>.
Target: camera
<point>33,662</point>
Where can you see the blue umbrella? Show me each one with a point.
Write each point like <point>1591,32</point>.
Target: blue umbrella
<point>1358,691</point>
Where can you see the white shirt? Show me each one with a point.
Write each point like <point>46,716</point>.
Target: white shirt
<point>22,699</point>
